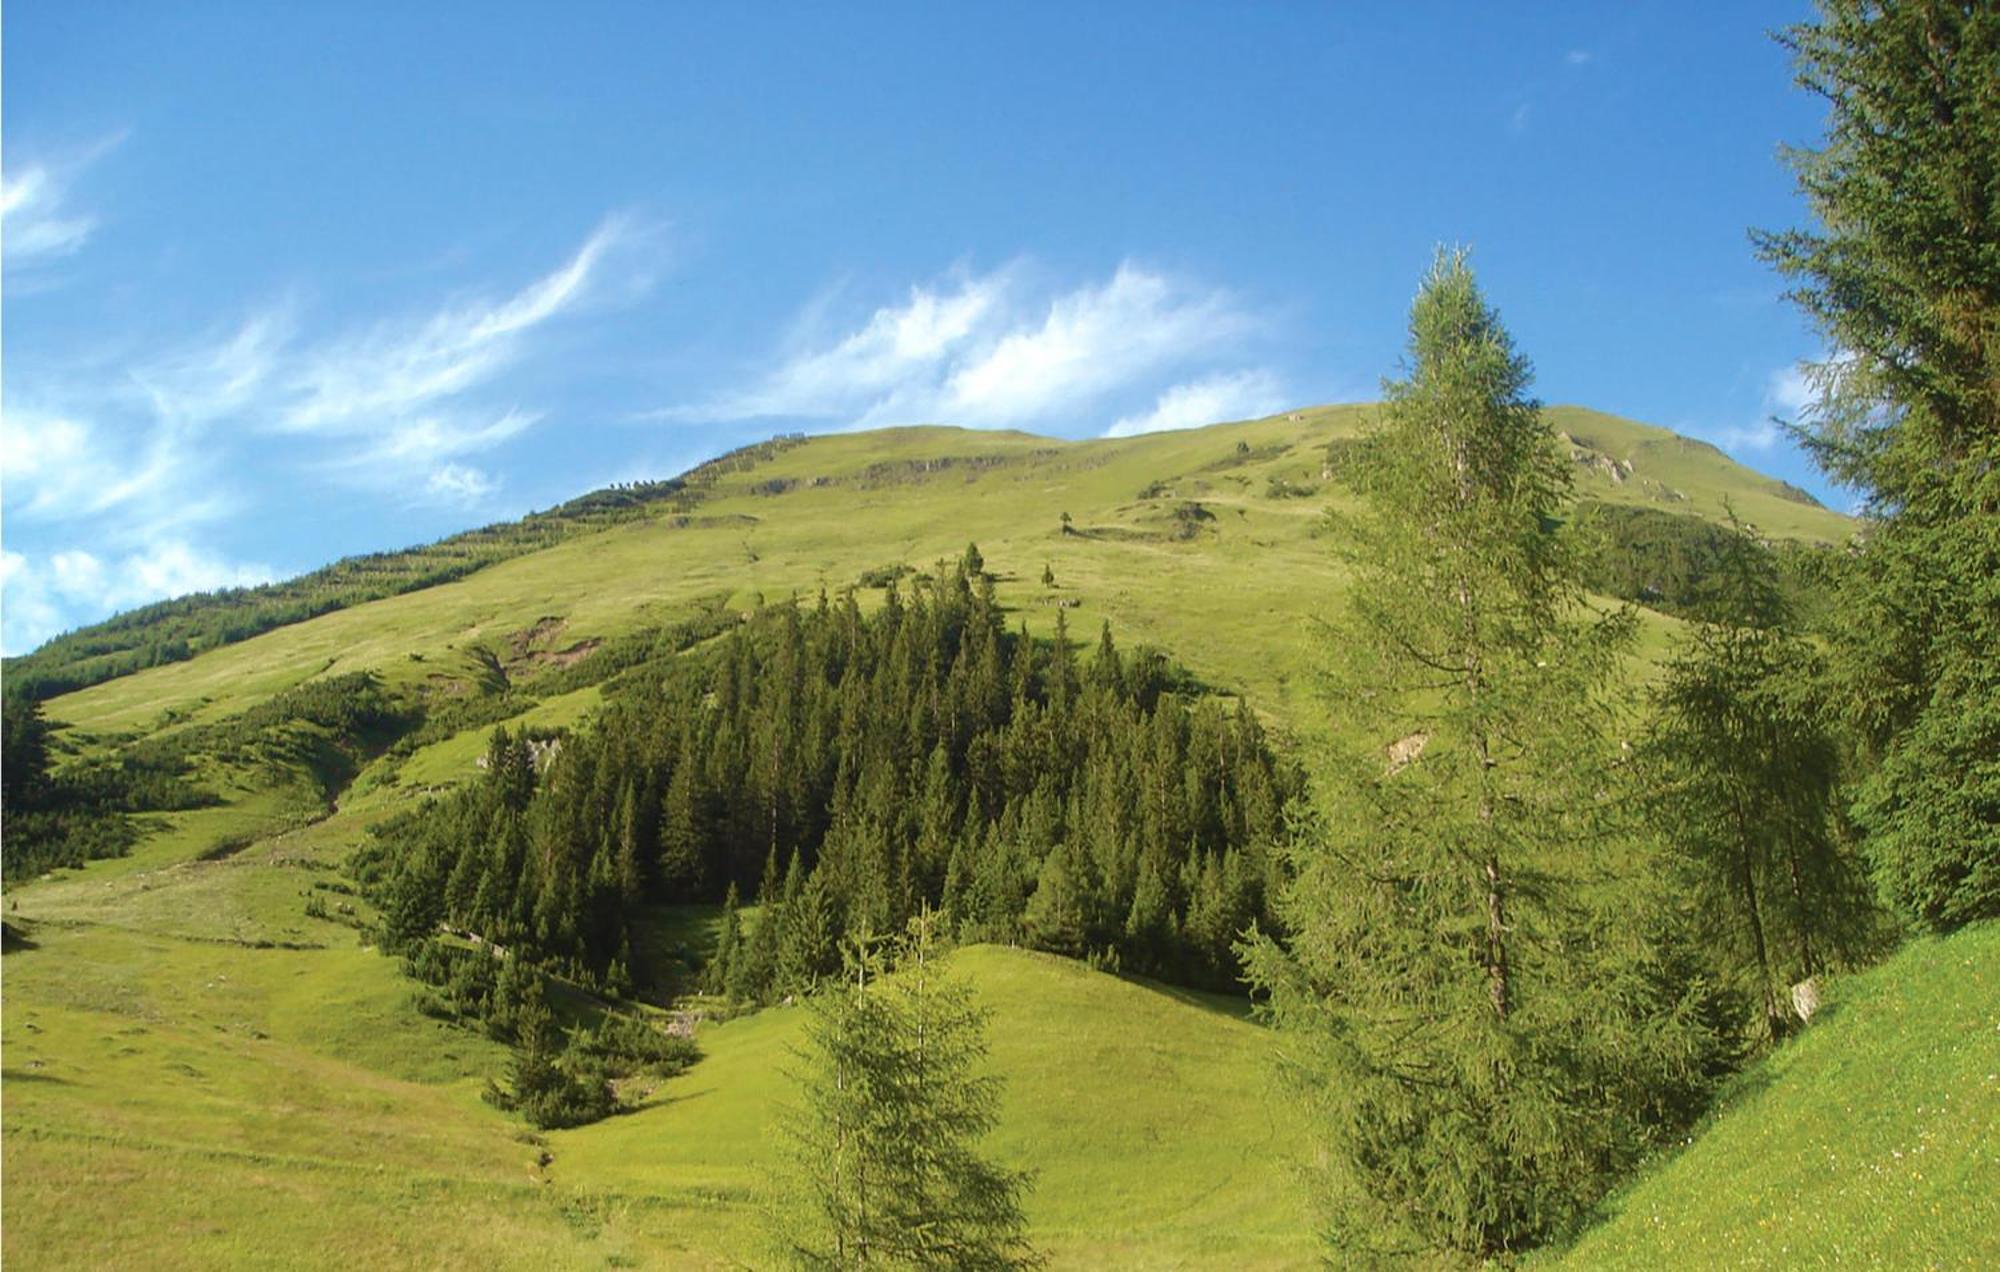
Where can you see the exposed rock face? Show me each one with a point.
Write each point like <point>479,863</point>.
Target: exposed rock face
<point>1587,455</point>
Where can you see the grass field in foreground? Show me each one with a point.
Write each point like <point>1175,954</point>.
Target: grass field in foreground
<point>1144,1112</point>
<point>172,1102</point>
<point>1872,1140</point>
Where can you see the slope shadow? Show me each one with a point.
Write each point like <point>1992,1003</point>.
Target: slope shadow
<point>1240,1008</point>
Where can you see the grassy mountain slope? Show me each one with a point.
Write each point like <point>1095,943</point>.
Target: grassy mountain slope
<point>1873,1140</point>
<point>184,1101</point>
<point>1227,586</point>
<point>1141,1109</point>
<point>198,1073</point>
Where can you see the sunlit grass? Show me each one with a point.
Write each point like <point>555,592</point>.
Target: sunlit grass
<point>200,1075</point>
<point>1872,1140</point>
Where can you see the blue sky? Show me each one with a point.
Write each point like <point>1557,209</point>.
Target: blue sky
<point>287,282</point>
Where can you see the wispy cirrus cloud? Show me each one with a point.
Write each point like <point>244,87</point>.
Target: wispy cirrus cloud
<point>1213,399</point>
<point>37,223</point>
<point>992,350</point>
<point>33,221</point>
<point>403,394</point>
<point>353,384</point>
<point>135,460</point>
<point>460,483</point>
<point>1788,393</point>
<point>900,349</point>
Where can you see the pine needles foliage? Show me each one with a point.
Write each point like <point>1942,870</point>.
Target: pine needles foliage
<point>1901,274</point>
<point>1482,1026</point>
<point>883,1165</point>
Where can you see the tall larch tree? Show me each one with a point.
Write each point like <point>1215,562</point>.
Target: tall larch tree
<point>1441,991</point>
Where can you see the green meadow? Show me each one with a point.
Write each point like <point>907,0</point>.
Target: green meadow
<point>1872,1140</point>
<point>200,1074</point>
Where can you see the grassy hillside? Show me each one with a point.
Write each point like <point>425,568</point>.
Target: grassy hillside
<point>328,1125</point>
<point>198,1073</point>
<point>1228,586</point>
<point>1873,1140</point>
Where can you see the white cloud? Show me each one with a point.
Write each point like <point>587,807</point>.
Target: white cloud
<point>37,596</point>
<point>422,442</point>
<point>398,383</point>
<point>1211,400</point>
<point>981,350</point>
<point>1579,57</point>
<point>132,458</point>
<point>460,483</point>
<point>393,404</point>
<point>36,223</point>
<point>896,347</point>
<point>1788,393</point>
<point>1091,341</point>
<point>203,383</point>
<point>1524,114</point>
<point>67,467</point>
<point>33,224</point>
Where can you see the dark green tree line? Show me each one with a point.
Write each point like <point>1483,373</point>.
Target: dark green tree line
<point>841,771</point>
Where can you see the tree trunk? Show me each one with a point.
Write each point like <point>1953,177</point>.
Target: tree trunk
<point>1808,964</point>
<point>1496,901</point>
<point>1496,947</point>
<point>1749,885</point>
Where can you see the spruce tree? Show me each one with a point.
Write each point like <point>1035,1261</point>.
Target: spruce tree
<point>1902,277</point>
<point>883,1165</point>
<point>754,975</point>
<point>1434,997</point>
<point>717,977</point>
<point>1056,919</point>
<point>684,829</point>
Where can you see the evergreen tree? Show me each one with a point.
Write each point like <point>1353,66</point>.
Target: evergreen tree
<point>24,755</point>
<point>884,1167</point>
<point>1902,277</point>
<point>1745,768</point>
<point>415,903</point>
<point>1435,989</point>
<point>717,976</point>
<point>684,829</point>
<point>755,974</point>
<point>510,769</point>
<point>1149,924</point>
<point>1056,918</point>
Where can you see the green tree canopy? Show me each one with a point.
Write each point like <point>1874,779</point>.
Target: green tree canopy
<point>1902,275</point>
<point>884,1166</point>
<point>1474,1023</point>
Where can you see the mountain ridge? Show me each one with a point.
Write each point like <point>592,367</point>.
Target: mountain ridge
<point>800,513</point>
